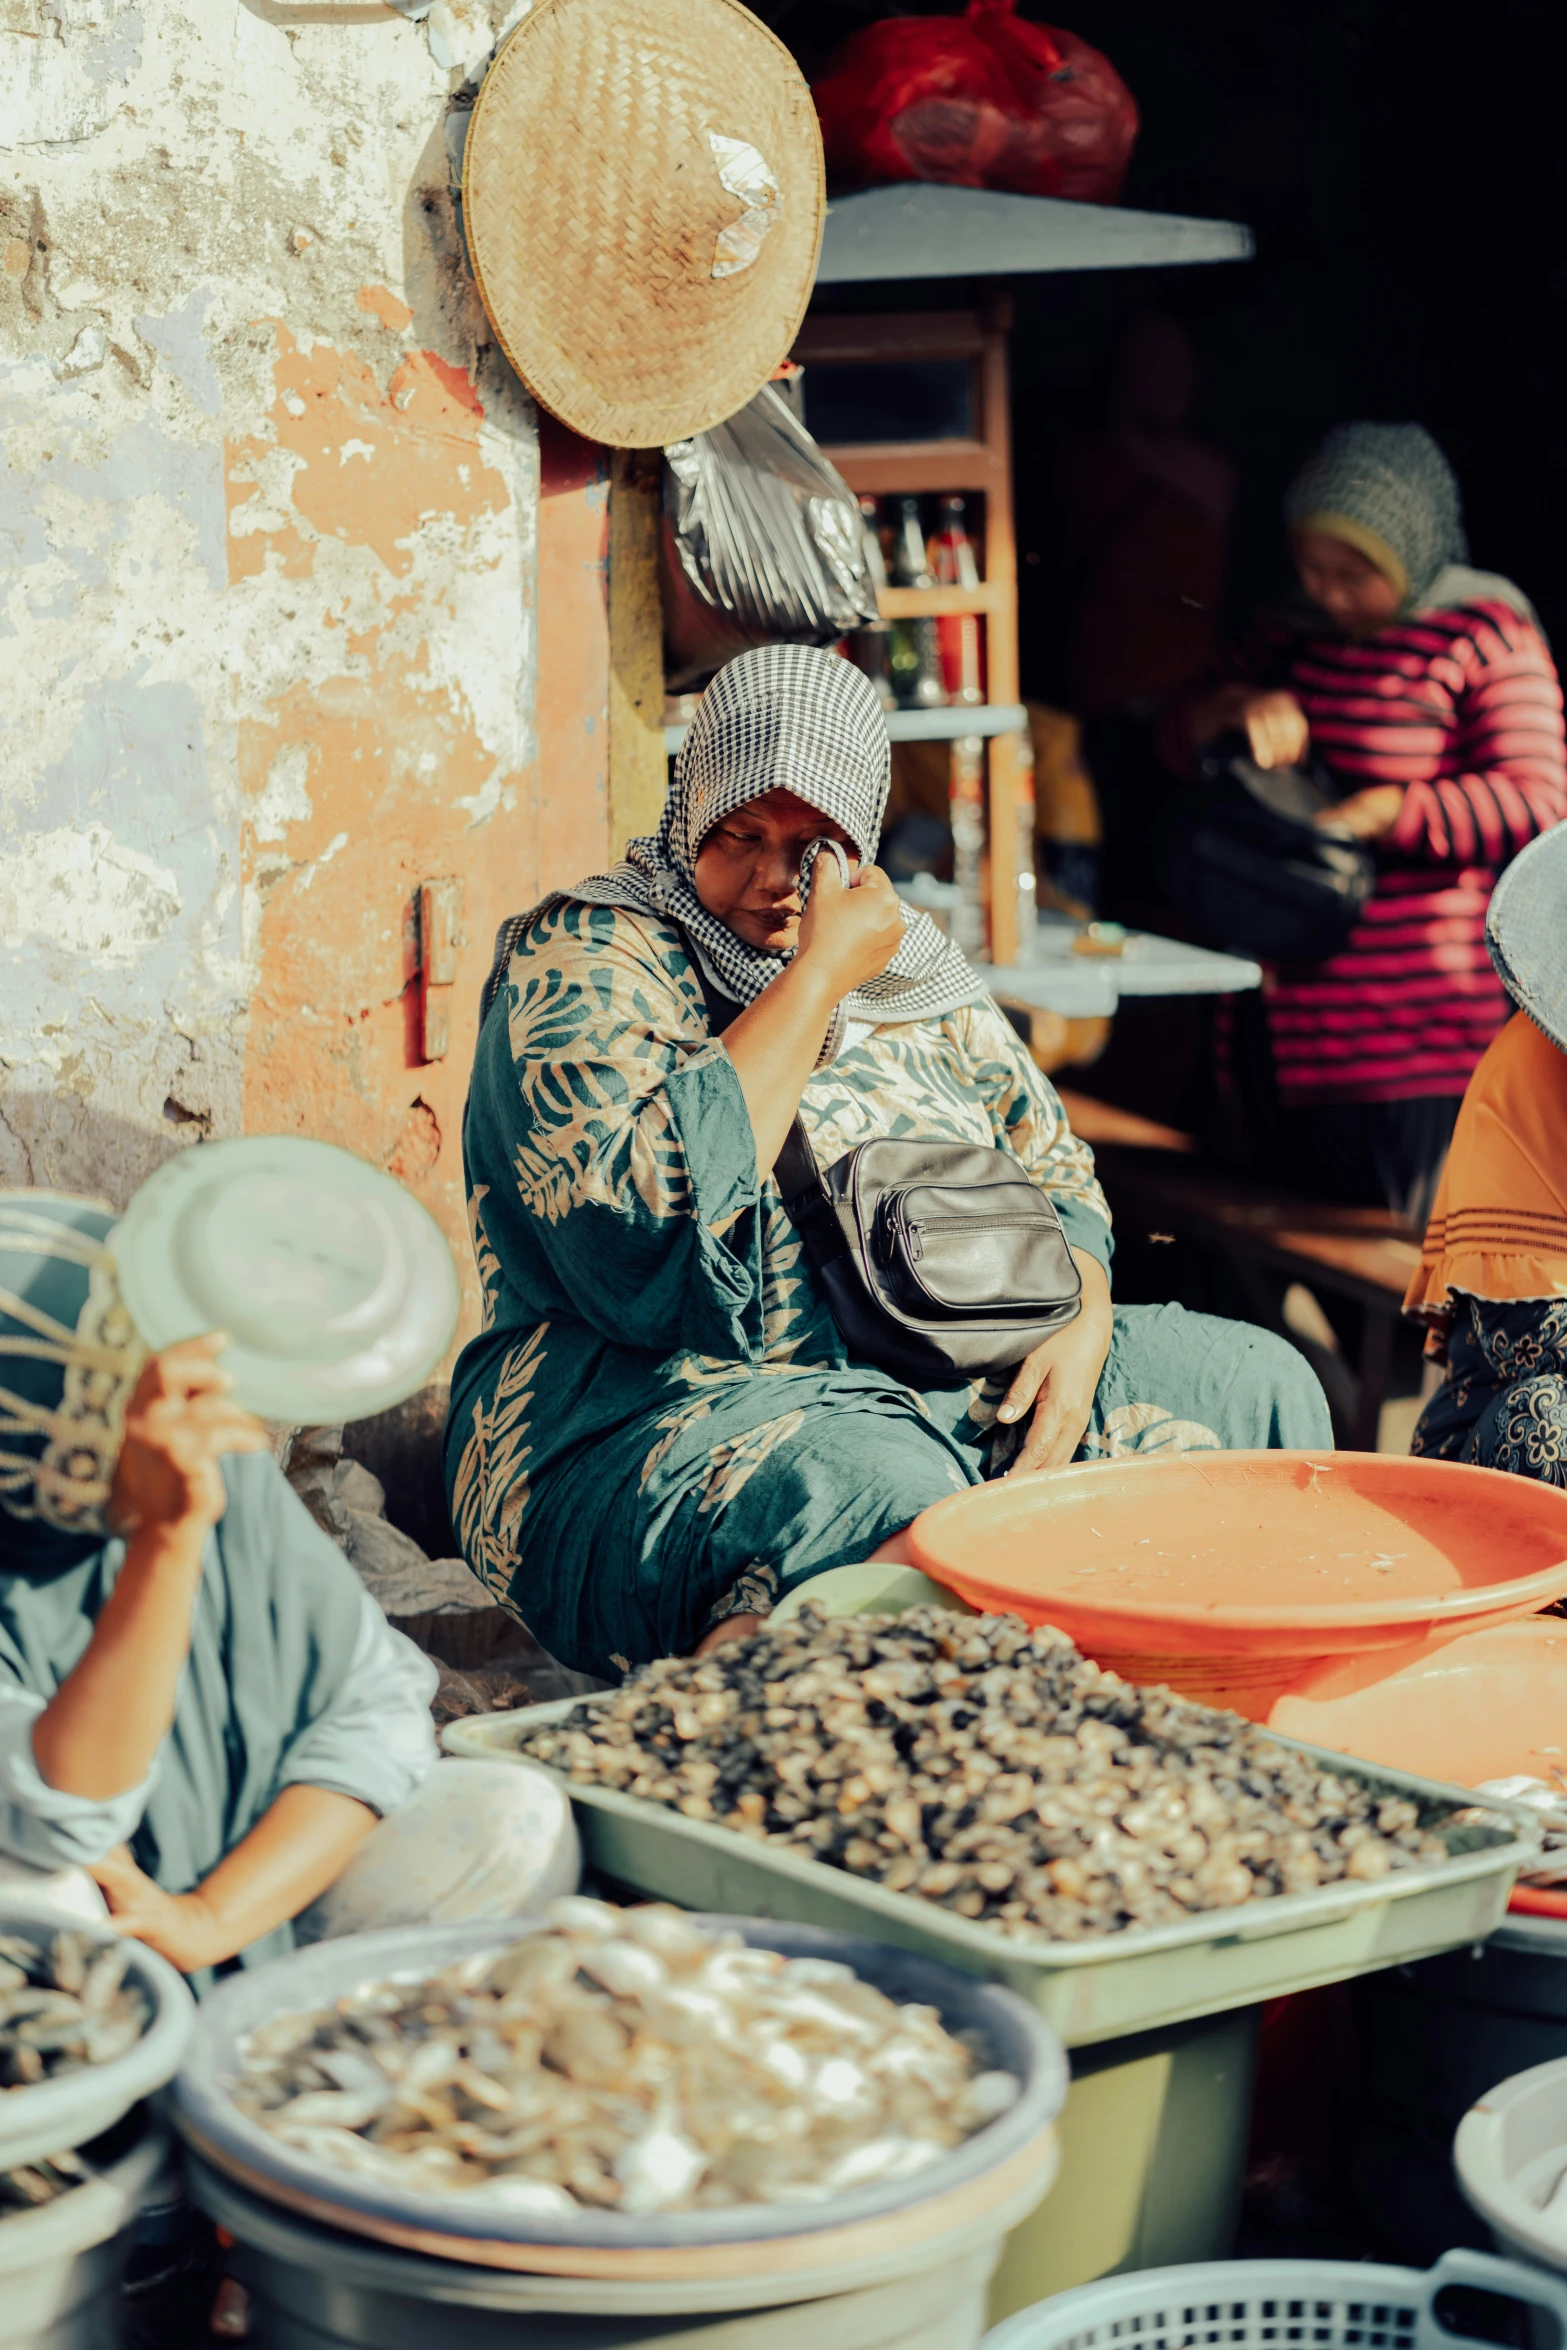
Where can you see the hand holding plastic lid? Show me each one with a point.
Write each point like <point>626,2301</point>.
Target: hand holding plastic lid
<point>336,1287</point>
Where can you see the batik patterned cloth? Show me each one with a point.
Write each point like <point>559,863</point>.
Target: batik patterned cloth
<point>1504,1402</point>
<point>1492,1284</point>
<point>659,1424</point>
<point>1498,1229</point>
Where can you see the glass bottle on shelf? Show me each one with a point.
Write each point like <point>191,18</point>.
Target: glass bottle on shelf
<point>915,651</point>
<point>966,814</point>
<point>954,563</point>
<point>870,648</point>
<point>1027,878</point>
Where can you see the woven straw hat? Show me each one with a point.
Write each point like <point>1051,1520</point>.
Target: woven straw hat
<point>643,194</point>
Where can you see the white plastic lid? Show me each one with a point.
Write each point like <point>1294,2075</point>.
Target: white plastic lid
<point>337,1289</point>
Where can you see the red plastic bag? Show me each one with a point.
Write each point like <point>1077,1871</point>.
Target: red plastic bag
<point>984,100</point>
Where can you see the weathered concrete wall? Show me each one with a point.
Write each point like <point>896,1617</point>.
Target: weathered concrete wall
<point>267,587</point>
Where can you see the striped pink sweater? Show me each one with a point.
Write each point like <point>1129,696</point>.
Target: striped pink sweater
<point>1463,708</point>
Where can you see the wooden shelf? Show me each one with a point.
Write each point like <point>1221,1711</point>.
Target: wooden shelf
<point>940,603</point>
<point>891,334</point>
<point>980,461</point>
<point>987,720</point>
<point>883,469</point>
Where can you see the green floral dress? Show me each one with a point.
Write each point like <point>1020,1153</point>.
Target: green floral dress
<point>659,1423</point>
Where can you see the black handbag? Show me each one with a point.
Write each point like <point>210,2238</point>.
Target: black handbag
<point>1254,872</point>
<point>939,1261</point>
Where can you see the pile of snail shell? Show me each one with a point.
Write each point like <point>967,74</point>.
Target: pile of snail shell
<point>985,1766</point>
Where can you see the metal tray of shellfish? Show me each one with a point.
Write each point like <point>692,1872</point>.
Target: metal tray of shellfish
<point>1137,1979</point>
<point>89,2024</point>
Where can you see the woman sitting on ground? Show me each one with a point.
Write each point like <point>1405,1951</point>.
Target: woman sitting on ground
<point>660,1430</point>
<point>1493,1274</point>
<point>203,1714</point>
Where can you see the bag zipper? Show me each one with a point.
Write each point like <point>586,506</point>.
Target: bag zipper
<point>916,1228</point>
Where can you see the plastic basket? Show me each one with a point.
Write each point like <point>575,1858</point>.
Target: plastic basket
<point>1511,2154</point>
<point>1317,2304</point>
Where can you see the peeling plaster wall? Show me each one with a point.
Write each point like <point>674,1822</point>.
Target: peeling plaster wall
<point>268,542</point>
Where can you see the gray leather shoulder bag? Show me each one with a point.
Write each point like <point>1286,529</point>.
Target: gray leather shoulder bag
<point>939,1261</point>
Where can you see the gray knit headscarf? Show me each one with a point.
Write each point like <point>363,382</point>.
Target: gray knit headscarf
<point>1387,490</point>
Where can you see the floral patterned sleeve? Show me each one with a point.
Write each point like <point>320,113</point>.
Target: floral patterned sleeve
<point>1026,1113</point>
<point>605,1116</point>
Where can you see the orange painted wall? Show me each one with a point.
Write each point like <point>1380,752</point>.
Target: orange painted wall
<point>389,482</point>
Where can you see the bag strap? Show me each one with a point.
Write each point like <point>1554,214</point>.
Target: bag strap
<point>798,1177</point>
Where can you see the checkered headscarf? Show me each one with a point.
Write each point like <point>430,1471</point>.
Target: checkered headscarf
<point>782,717</point>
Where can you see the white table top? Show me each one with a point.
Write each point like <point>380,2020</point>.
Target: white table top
<point>1089,986</point>
<point>1060,981</point>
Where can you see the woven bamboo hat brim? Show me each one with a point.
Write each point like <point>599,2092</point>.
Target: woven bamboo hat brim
<point>643,194</point>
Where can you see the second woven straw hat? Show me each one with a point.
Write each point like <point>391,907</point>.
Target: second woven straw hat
<point>643,195</point>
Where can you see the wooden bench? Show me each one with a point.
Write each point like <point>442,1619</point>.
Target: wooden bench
<point>1159,1189</point>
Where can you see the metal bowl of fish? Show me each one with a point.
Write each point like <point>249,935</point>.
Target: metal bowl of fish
<point>558,2091</point>
<point>89,2023</point>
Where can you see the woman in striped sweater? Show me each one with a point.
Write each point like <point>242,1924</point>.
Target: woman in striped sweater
<point>1429,693</point>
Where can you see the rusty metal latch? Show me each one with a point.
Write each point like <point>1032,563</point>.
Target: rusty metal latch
<point>440,936</point>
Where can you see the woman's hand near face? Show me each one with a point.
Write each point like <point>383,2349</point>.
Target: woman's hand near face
<point>849,935</point>
<point>1061,1376</point>
<point>1274,724</point>
<point>178,1424</point>
<point>747,875</point>
<point>100,1731</point>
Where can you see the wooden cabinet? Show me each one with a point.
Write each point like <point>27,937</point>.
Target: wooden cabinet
<point>961,355</point>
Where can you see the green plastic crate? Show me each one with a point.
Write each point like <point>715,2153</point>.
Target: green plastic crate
<point>1154,2129</point>
<point>1128,1982</point>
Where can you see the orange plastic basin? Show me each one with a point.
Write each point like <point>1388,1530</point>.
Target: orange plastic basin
<point>1486,1705</point>
<point>1227,1573</point>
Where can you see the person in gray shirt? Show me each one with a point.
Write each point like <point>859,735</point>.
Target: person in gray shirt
<point>208,1730</point>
